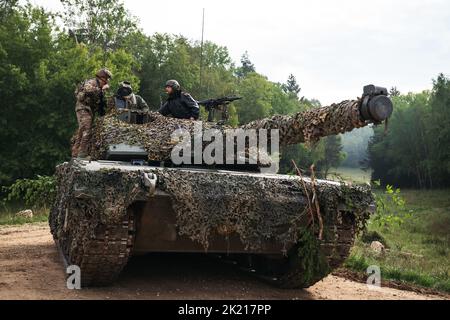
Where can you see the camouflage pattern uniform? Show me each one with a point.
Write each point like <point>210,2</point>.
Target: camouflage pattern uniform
<point>136,102</point>
<point>88,95</point>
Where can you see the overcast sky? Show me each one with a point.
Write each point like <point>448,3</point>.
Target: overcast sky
<point>332,47</point>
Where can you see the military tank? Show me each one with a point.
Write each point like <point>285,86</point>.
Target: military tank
<point>131,198</point>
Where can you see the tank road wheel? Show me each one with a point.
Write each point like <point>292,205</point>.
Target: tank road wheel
<point>100,252</point>
<point>304,265</point>
<point>312,260</point>
<point>309,261</point>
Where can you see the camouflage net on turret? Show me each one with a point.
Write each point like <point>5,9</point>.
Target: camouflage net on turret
<point>155,136</point>
<point>255,207</point>
<point>311,125</point>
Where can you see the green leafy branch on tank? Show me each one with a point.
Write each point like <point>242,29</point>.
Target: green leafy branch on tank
<point>310,257</point>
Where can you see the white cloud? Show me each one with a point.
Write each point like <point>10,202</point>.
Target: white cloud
<point>333,47</point>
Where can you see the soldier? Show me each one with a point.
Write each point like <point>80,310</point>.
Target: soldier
<point>90,100</point>
<point>179,104</point>
<point>125,98</point>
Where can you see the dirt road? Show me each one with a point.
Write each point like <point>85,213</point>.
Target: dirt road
<point>30,268</point>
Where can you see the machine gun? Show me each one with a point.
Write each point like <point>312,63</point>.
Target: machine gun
<point>211,105</point>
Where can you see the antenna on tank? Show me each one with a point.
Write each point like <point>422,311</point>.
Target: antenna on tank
<point>201,48</point>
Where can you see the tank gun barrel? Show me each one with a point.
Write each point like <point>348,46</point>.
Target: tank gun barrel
<point>308,126</point>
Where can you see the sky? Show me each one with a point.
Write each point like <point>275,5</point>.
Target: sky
<point>333,48</point>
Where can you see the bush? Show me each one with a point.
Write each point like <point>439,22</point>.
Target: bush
<point>356,263</point>
<point>390,207</point>
<point>36,193</point>
<point>369,236</point>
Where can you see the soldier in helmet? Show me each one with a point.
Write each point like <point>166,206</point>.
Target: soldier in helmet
<point>90,101</point>
<point>125,98</point>
<point>179,104</point>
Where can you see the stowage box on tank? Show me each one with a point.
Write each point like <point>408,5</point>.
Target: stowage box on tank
<point>289,230</point>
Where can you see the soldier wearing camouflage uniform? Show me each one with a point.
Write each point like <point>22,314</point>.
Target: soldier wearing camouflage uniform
<point>89,95</point>
<point>125,98</point>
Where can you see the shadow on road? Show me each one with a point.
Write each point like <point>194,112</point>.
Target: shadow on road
<point>194,276</point>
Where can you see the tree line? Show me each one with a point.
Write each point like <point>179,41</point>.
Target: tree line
<point>415,150</point>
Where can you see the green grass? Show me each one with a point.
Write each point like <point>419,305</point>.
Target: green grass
<point>8,215</point>
<point>349,174</point>
<point>422,278</point>
<point>418,250</point>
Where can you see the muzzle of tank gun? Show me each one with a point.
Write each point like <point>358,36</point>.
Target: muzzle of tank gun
<point>376,105</point>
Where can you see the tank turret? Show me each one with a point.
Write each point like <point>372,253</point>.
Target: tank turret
<point>150,135</point>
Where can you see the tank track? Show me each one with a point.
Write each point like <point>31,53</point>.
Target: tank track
<point>101,257</point>
<point>335,251</point>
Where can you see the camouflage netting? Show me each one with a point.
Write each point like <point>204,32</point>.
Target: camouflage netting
<point>102,197</point>
<point>155,136</point>
<point>256,207</point>
<point>309,126</point>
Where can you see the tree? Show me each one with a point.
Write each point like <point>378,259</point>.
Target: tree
<point>25,44</point>
<point>39,69</point>
<point>246,66</point>
<point>291,87</point>
<point>414,152</point>
<point>438,124</point>
<point>99,23</point>
<point>174,57</point>
<point>355,144</point>
<point>393,92</point>
<point>302,156</point>
<point>328,154</point>
<point>257,95</point>
<point>6,8</point>
<point>282,102</point>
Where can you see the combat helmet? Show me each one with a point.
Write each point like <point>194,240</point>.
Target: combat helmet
<point>104,73</point>
<point>173,84</point>
<point>124,89</point>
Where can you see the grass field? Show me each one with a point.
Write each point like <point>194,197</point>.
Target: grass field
<point>8,215</point>
<point>350,175</point>
<point>418,250</point>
